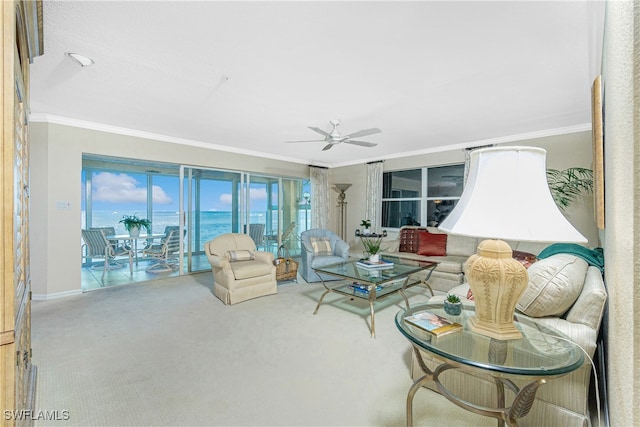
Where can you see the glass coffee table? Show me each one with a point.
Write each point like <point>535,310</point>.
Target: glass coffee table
<point>540,354</point>
<point>374,283</point>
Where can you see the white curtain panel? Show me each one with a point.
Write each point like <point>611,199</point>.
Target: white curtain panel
<point>374,195</point>
<point>319,197</point>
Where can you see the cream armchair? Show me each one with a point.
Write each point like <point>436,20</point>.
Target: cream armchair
<point>239,271</point>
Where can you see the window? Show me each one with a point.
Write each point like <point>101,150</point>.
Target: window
<point>215,201</point>
<point>422,196</point>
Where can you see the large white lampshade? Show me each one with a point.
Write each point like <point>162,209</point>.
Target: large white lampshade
<point>506,196</point>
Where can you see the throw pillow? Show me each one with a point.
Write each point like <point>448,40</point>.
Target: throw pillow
<point>409,239</point>
<point>525,258</point>
<point>240,255</point>
<point>321,246</point>
<point>555,283</point>
<point>432,244</point>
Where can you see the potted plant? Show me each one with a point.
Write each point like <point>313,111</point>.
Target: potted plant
<point>566,185</point>
<point>372,247</point>
<point>133,224</point>
<point>452,305</point>
<point>366,223</point>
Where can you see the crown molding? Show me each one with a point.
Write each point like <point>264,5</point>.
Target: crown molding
<point>47,118</point>
<point>66,121</point>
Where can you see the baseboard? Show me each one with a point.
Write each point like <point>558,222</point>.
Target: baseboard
<point>44,297</point>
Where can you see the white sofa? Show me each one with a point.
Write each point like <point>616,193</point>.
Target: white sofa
<point>450,271</point>
<point>564,292</point>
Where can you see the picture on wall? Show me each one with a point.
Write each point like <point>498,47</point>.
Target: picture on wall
<point>598,151</point>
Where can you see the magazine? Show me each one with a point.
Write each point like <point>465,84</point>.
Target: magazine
<point>359,287</point>
<point>365,263</point>
<point>432,323</point>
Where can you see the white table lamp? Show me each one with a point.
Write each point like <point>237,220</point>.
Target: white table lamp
<point>506,197</point>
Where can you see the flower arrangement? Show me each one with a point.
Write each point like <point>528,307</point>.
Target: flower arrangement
<point>132,221</point>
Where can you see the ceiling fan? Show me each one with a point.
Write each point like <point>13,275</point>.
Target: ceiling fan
<point>332,138</point>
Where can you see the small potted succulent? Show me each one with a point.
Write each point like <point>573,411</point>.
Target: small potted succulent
<point>133,224</point>
<point>452,305</point>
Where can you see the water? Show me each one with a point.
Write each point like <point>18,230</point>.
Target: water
<point>212,223</point>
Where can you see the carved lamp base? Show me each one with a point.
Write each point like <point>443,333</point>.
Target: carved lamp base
<point>497,282</point>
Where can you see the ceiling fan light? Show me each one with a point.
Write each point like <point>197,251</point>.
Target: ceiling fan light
<point>84,61</point>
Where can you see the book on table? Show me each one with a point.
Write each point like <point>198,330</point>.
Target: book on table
<point>433,323</point>
<point>365,263</point>
<point>359,287</point>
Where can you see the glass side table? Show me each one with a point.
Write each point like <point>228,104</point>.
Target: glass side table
<point>540,354</point>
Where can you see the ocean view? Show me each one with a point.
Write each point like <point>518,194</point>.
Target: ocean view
<point>212,223</point>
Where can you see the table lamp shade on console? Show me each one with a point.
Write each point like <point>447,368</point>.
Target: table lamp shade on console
<point>506,196</point>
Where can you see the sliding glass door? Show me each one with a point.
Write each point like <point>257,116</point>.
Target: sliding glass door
<point>211,205</point>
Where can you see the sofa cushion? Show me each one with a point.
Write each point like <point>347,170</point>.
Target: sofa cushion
<point>409,239</point>
<point>239,255</point>
<point>430,244</point>
<point>321,246</point>
<point>554,285</point>
<point>461,245</point>
<point>249,269</point>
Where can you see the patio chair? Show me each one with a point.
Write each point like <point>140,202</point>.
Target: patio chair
<point>256,232</point>
<point>96,245</point>
<point>169,247</point>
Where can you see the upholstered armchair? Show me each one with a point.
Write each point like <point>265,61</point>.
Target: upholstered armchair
<point>240,272</point>
<point>320,248</point>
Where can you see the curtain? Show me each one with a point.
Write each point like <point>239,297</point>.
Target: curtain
<point>467,159</point>
<point>319,197</point>
<point>374,196</point>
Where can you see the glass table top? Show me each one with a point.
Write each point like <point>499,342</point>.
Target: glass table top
<point>374,276</point>
<point>541,351</point>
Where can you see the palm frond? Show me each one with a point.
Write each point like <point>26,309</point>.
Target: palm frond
<point>566,185</point>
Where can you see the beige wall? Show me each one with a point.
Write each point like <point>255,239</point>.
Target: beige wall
<point>621,68</point>
<point>56,171</point>
<point>56,154</point>
<point>563,151</point>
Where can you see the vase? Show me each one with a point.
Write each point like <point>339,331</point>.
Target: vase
<point>134,232</point>
<point>366,231</point>
<point>452,308</point>
<point>374,257</point>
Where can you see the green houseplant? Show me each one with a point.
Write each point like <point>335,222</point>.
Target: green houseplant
<point>366,224</point>
<point>566,185</point>
<point>372,247</point>
<point>452,305</point>
<point>133,224</point>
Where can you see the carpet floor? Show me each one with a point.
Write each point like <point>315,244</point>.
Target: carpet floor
<point>168,352</point>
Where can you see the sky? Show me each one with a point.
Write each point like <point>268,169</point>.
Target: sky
<point>127,192</point>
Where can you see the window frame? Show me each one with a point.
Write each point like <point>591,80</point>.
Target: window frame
<point>423,201</point>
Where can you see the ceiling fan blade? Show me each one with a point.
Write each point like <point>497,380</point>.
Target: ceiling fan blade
<point>320,131</point>
<point>309,140</point>
<point>363,143</point>
<point>364,132</point>
<point>326,147</point>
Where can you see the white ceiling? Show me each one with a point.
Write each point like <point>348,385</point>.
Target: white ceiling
<point>248,76</point>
